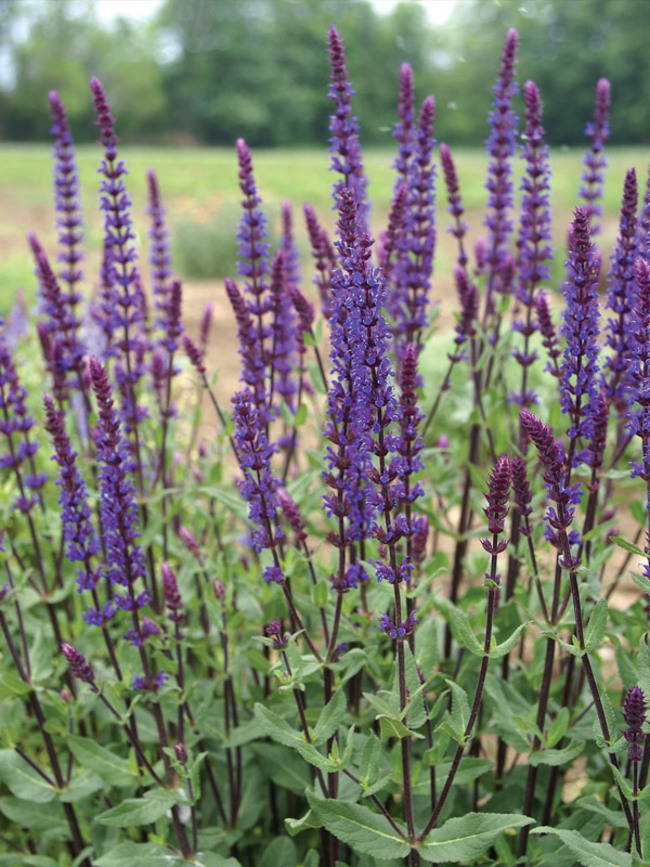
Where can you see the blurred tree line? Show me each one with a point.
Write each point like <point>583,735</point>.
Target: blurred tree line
<point>208,71</point>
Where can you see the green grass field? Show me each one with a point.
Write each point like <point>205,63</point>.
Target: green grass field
<point>199,187</point>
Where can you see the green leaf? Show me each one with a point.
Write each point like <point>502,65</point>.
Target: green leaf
<point>506,646</point>
<point>11,684</point>
<point>22,780</point>
<point>586,852</point>
<point>391,727</point>
<point>461,627</point>
<point>331,717</point>
<point>287,770</point>
<point>558,727</point>
<point>366,832</point>
<point>597,625</point>
<point>555,758</point>
<point>628,546</point>
<point>277,728</point>
<point>281,851</point>
<point>295,826</point>
<point>139,811</point>
<point>38,821</point>
<point>140,855</point>
<point>113,769</point>
<point>468,837</point>
<point>641,581</point>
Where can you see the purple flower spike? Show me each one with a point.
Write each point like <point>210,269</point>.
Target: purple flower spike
<point>405,628</point>
<point>61,321</point>
<point>173,599</point>
<point>634,710</point>
<point>594,160</point>
<point>274,630</point>
<point>466,326</point>
<point>501,146</point>
<point>289,248</point>
<point>415,266</point>
<point>547,330</point>
<point>497,510</point>
<point>79,666</point>
<point>639,379</point>
<point>194,354</point>
<point>118,509</point>
<point>324,258</point>
<point>521,492</point>
<point>554,463</point>
<point>579,367</point>
<point>621,296</point>
<point>456,209</point>
<point>253,264</point>
<point>81,541</point>
<point>404,132</point>
<point>121,270</point>
<point>160,257</point>
<point>344,126</point>
<point>66,199</point>
<point>250,346</point>
<point>259,486</point>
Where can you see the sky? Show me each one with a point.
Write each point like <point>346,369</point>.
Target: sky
<point>438,10</point>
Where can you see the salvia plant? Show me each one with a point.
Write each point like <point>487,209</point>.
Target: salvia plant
<point>376,616</point>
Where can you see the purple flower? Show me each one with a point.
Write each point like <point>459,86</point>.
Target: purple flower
<point>274,630</point>
<point>547,330</point>
<point>456,209</point>
<point>498,493</point>
<point>250,346</point>
<point>551,456</point>
<point>404,128</point>
<point>258,486</point>
<point>469,302</point>
<point>121,270</point>
<point>66,201</point>
<point>81,540</point>
<point>594,161</point>
<point>79,666</point>
<point>405,628</point>
<point>118,509</point>
<point>621,296</point>
<point>289,246</point>
<point>160,257</point>
<point>323,254</point>
<point>344,126</point>
<point>417,243</point>
<point>533,242</point>
<point>253,264</point>
<point>634,709</point>
<point>142,683</point>
<point>283,331</point>
<point>501,146</point>
<point>173,599</point>
<point>579,367</point>
<point>521,492</point>
<point>61,323</point>
<point>15,424</point>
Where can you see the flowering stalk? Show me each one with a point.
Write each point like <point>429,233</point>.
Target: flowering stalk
<point>417,245</point>
<point>560,517</point>
<point>455,202</point>
<point>496,513</point>
<point>594,160</point>
<point>634,714</point>
<point>621,297</point>
<point>579,368</point>
<point>344,127</point>
<point>501,148</point>
<point>533,243</point>
<point>323,255</point>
